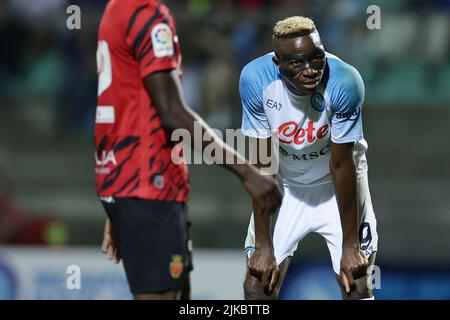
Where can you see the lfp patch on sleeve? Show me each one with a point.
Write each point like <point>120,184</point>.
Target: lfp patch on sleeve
<point>162,40</point>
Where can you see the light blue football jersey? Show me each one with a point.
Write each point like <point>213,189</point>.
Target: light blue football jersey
<point>304,125</point>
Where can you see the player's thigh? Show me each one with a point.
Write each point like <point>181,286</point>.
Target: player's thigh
<point>327,223</point>
<point>154,243</point>
<point>368,235</point>
<point>289,225</point>
<point>253,289</point>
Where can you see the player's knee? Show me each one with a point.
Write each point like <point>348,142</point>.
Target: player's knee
<point>360,291</point>
<point>253,290</point>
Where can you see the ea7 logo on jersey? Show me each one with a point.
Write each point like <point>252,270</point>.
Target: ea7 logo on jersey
<point>162,40</point>
<point>272,104</point>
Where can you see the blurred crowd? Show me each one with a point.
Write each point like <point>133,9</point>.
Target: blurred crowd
<point>49,72</point>
<point>31,228</point>
<point>48,79</point>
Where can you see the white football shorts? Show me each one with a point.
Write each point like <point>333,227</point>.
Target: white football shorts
<point>306,209</point>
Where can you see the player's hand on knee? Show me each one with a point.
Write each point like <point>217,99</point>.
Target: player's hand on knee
<point>354,264</point>
<point>263,266</point>
<point>110,244</point>
<point>265,191</point>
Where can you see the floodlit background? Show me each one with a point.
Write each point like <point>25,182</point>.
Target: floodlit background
<point>50,217</point>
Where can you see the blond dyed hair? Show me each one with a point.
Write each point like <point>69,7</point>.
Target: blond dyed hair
<point>293,27</point>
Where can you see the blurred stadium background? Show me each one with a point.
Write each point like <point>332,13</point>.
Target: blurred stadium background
<point>50,217</point>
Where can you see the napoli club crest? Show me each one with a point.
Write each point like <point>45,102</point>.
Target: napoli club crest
<point>317,101</point>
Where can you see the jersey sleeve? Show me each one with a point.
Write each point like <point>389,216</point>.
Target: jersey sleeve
<point>347,97</point>
<point>151,39</point>
<point>254,119</point>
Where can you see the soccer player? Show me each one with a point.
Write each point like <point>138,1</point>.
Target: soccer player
<point>309,101</point>
<point>143,191</point>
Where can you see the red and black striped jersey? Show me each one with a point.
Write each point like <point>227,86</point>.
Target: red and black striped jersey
<point>133,151</point>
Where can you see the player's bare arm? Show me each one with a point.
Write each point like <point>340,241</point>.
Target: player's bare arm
<point>165,89</point>
<point>353,261</point>
<point>262,263</point>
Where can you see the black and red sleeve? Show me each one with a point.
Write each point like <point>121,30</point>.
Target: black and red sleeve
<point>150,37</point>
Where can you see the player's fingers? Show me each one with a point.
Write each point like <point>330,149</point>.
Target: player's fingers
<point>344,282</point>
<point>255,273</point>
<point>366,261</point>
<point>350,280</point>
<point>361,270</point>
<point>116,256</point>
<point>113,254</point>
<point>265,279</point>
<point>105,245</point>
<point>110,253</point>
<point>274,279</point>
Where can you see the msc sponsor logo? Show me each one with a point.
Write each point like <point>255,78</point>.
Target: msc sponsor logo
<point>348,116</point>
<point>312,155</point>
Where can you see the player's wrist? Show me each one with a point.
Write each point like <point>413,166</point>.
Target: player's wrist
<point>351,244</point>
<point>264,246</point>
<point>350,236</point>
<point>263,242</point>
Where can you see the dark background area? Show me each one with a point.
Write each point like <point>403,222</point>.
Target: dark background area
<point>48,91</point>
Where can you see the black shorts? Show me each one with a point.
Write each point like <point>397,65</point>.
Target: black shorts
<point>154,242</point>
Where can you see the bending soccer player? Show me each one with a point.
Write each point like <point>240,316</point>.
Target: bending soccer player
<point>309,101</point>
<point>143,191</point>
